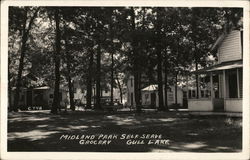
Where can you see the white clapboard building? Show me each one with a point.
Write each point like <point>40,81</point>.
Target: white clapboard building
<point>220,85</point>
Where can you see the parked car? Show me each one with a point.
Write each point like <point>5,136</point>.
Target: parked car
<point>107,105</point>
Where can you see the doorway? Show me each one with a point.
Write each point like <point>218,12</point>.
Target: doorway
<point>232,84</point>
<point>132,99</point>
<point>153,100</point>
<point>29,97</point>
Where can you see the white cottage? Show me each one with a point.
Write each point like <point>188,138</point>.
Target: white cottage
<point>224,85</point>
<point>80,94</point>
<point>149,95</point>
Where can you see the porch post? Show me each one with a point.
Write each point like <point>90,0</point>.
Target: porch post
<point>187,87</point>
<point>238,83</point>
<point>199,87</point>
<point>211,85</point>
<point>197,91</point>
<point>220,86</point>
<point>224,85</point>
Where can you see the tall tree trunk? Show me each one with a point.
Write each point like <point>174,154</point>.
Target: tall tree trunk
<point>136,88</point>
<point>25,34</point>
<point>196,68</point>
<point>159,64</point>
<point>197,80</point>
<point>120,87</point>
<point>112,78</point>
<point>139,87</point>
<point>112,63</point>
<point>135,65</point>
<point>19,75</point>
<point>56,99</point>
<point>227,25</point>
<point>98,78</point>
<point>176,89</point>
<point>71,92</point>
<point>193,23</point>
<point>89,80</point>
<point>9,88</point>
<point>159,80</point>
<point>166,86</point>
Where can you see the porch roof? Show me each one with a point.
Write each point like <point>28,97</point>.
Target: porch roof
<point>221,66</point>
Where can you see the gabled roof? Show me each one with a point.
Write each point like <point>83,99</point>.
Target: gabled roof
<point>44,87</point>
<point>152,87</point>
<point>31,76</point>
<point>218,41</point>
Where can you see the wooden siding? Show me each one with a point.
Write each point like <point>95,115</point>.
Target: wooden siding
<point>230,48</point>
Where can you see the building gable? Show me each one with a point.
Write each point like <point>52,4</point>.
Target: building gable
<point>230,48</point>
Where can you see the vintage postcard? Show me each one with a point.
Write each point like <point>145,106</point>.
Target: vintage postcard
<point>125,79</point>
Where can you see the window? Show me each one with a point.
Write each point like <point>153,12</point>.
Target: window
<point>74,90</point>
<point>106,91</point>
<point>51,96</point>
<point>170,97</point>
<point>131,82</point>
<point>132,99</point>
<point>207,93</point>
<point>232,83</point>
<point>202,93</point>
<point>193,94</point>
<point>189,93</point>
<point>184,94</point>
<point>240,82</point>
<point>146,96</point>
<point>60,96</point>
<point>22,98</point>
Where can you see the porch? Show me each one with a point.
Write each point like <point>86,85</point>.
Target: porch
<point>219,89</point>
<point>215,105</point>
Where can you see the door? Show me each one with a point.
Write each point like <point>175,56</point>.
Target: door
<point>153,100</point>
<point>218,104</point>
<point>232,84</point>
<point>38,98</point>
<point>29,97</point>
<point>132,99</point>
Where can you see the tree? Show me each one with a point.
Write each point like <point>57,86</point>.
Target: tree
<point>56,98</point>
<point>159,58</point>
<point>68,62</point>
<point>206,24</point>
<point>135,61</point>
<point>89,79</point>
<point>103,45</point>
<point>23,19</point>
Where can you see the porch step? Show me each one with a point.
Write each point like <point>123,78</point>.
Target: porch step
<point>228,114</point>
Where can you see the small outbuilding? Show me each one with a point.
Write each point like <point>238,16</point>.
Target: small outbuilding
<point>150,96</point>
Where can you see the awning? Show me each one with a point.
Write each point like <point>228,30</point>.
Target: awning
<point>220,67</point>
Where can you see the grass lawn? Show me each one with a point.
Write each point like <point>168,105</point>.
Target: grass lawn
<point>41,131</point>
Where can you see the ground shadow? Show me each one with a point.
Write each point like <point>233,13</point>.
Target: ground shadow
<point>41,131</point>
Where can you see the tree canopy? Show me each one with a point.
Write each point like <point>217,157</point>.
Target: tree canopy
<point>102,46</point>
